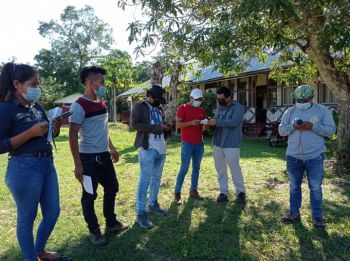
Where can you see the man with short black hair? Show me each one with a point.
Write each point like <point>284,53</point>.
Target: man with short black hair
<point>91,157</point>
<point>228,122</point>
<point>306,124</point>
<point>146,119</point>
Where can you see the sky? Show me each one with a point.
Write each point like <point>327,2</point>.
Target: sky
<point>19,21</point>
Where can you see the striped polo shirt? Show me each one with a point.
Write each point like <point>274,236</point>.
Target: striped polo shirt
<point>93,118</point>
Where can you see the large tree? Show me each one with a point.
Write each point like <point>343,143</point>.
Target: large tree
<point>142,71</point>
<point>228,33</point>
<point>119,75</point>
<point>76,39</point>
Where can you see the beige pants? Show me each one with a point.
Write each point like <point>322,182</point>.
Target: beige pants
<point>230,157</point>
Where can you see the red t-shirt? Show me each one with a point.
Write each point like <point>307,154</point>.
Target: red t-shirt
<point>191,134</point>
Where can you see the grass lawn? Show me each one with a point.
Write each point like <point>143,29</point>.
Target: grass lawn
<point>203,230</point>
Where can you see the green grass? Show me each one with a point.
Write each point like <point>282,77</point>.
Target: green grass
<point>202,230</point>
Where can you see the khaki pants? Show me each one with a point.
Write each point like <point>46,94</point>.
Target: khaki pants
<point>230,157</point>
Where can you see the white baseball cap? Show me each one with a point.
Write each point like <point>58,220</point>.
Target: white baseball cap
<point>196,93</point>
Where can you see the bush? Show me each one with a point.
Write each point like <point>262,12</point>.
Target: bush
<point>208,104</point>
<point>121,105</point>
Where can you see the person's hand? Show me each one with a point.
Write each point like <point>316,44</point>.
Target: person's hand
<point>306,125</point>
<point>39,129</point>
<point>195,122</point>
<point>115,155</point>
<point>166,128</point>
<point>212,122</point>
<point>57,123</point>
<point>78,171</point>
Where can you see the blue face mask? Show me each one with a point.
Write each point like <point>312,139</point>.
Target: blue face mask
<point>33,94</point>
<point>101,91</point>
<point>196,103</point>
<point>303,106</point>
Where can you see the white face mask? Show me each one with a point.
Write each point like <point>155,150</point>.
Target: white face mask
<point>303,106</point>
<point>196,103</point>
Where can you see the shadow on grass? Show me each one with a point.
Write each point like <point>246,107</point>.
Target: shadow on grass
<point>127,150</point>
<point>335,246</point>
<point>12,254</point>
<point>214,235</point>
<point>275,183</point>
<point>250,149</point>
<point>129,154</point>
<point>314,244</point>
<point>306,237</point>
<point>62,138</point>
<point>197,230</point>
<point>206,230</point>
<point>344,186</point>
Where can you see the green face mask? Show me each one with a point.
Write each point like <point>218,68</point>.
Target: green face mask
<point>303,106</point>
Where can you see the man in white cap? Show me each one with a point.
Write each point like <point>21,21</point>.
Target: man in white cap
<point>188,119</point>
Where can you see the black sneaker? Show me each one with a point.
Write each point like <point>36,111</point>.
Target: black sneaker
<point>195,195</point>
<point>318,223</point>
<point>97,239</point>
<point>155,208</point>
<point>177,198</point>
<point>241,198</point>
<point>222,198</point>
<point>144,221</point>
<point>290,218</point>
<point>118,227</point>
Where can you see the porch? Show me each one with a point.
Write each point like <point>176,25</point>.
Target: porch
<point>254,119</point>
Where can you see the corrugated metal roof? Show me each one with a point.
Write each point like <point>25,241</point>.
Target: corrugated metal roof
<point>134,90</point>
<point>69,99</point>
<point>210,73</point>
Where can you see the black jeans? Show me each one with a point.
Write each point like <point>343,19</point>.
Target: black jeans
<point>101,170</point>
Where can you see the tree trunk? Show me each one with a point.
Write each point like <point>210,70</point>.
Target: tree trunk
<point>114,106</point>
<point>343,137</point>
<point>171,107</point>
<point>339,84</point>
<point>157,73</point>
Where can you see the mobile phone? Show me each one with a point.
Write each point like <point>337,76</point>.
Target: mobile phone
<point>64,115</point>
<point>298,121</point>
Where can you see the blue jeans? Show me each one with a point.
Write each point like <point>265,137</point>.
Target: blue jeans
<point>33,181</point>
<point>314,173</point>
<point>151,168</point>
<point>189,151</point>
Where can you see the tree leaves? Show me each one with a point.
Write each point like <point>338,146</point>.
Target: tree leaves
<point>77,39</point>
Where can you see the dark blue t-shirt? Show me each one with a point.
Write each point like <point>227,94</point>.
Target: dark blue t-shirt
<point>15,119</point>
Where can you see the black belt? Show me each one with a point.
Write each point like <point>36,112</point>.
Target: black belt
<point>31,154</point>
<point>94,154</point>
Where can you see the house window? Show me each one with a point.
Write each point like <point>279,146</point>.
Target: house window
<point>287,95</point>
<point>272,93</point>
<point>242,93</point>
<point>325,95</point>
<point>272,96</point>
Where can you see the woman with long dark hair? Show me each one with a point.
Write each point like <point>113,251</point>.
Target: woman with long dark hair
<point>31,176</point>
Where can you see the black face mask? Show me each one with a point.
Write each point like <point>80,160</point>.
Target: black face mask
<point>155,103</point>
<point>222,102</point>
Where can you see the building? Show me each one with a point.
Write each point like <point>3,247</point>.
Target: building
<point>265,99</point>
<point>65,103</point>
